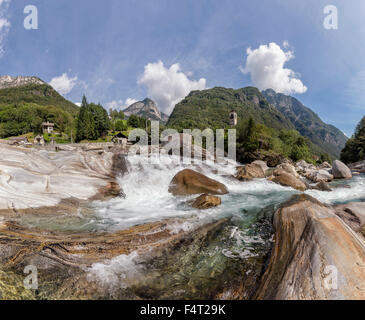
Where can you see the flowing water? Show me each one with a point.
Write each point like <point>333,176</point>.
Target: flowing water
<point>207,267</point>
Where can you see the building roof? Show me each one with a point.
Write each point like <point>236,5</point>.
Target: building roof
<point>49,124</point>
<point>120,135</point>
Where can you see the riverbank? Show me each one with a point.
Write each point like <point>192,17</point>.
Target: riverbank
<point>141,241</point>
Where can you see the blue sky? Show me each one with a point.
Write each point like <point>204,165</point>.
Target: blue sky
<point>103,47</point>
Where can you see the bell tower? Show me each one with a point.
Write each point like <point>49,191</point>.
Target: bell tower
<point>233,118</point>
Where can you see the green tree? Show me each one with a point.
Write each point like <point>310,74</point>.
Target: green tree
<point>134,121</point>
<point>355,147</point>
<point>92,121</point>
<point>120,125</point>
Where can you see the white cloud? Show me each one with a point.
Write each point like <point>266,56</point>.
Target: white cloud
<point>266,66</point>
<point>4,23</point>
<point>120,104</point>
<point>167,87</point>
<point>63,84</point>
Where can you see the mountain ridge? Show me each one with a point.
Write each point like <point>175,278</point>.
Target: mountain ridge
<point>308,123</point>
<point>146,108</point>
<point>11,82</point>
<point>211,108</point>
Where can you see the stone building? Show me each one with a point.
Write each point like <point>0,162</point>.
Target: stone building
<point>233,118</point>
<point>47,127</point>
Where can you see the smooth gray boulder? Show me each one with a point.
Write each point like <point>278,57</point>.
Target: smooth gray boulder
<point>340,170</point>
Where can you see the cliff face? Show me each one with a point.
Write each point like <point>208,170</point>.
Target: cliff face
<point>11,82</point>
<point>146,109</point>
<point>307,123</point>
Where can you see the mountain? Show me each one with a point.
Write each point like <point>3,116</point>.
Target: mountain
<point>307,123</point>
<point>20,90</point>
<point>10,82</point>
<point>27,102</point>
<point>211,108</point>
<point>146,109</point>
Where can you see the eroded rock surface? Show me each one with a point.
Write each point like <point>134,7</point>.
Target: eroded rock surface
<point>32,178</point>
<point>315,255</point>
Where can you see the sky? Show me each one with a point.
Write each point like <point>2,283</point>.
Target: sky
<point>117,52</point>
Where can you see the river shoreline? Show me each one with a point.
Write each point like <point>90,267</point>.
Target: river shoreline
<point>132,239</point>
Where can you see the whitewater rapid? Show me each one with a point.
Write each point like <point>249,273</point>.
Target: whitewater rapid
<point>147,199</point>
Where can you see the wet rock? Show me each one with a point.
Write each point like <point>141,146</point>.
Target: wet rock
<point>311,245</point>
<point>262,164</point>
<point>205,201</point>
<point>324,165</point>
<point>302,166</point>
<point>188,182</point>
<point>250,171</point>
<point>287,180</point>
<point>65,260</point>
<point>318,175</point>
<point>120,165</point>
<point>289,168</point>
<point>358,166</point>
<point>33,178</point>
<point>321,186</point>
<point>353,214</point>
<point>340,170</point>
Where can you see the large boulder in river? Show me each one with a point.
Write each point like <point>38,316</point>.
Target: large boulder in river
<point>262,164</point>
<point>321,186</point>
<point>250,171</point>
<point>316,256</point>
<point>340,170</point>
<point>188,182</point>
<point>288,180</point>
<point>289,168</point>
<point>318,175</point>
<point>205,201</point>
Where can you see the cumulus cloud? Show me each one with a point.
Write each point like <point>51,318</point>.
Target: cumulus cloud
<point>120,104</point>
<point>63,84</point>
<point>168,86</point>
<point>266,66</point>
<point>4,23</point>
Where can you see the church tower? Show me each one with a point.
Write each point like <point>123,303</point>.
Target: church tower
<point>233,118</point>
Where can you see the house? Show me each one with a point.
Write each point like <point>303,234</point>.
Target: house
<point>233,118</point>
<point>121,139</point>
<point>47,127</point>
<point>39,141</point>
<point>17,141</point>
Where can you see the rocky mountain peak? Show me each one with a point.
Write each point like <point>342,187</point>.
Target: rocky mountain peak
<point>146,109</point>
<point>10,82</point>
